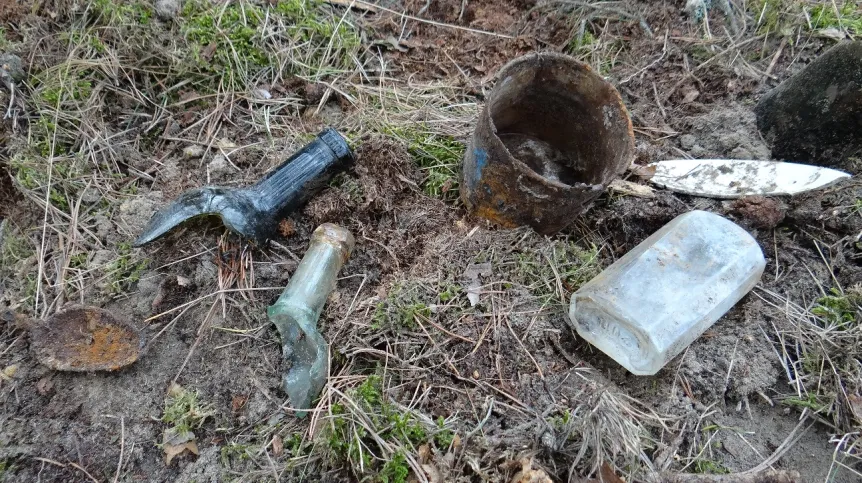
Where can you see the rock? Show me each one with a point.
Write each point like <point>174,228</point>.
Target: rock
<point>314,93</point>
<point>722,131</point>
<point>740,152</point>
<point>167,9</point>
<point>193,151</point>
<point>759,211</point>
<point>687,141</point>
<point>219,167</point>
<point>136,212</point>
<point>206,273</point>
<point>11,66</point>
<point>813,117</point>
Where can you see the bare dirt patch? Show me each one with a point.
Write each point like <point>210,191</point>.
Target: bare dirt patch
<point>425,380</point>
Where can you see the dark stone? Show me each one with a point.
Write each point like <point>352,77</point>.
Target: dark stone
<point>815,116</point>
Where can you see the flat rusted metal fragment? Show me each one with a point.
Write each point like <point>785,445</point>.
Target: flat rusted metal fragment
<point>85,339</point>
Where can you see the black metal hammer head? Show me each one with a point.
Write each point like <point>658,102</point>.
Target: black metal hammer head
<point>254,212</point>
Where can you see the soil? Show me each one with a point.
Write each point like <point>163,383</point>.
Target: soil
<point>513,347</point>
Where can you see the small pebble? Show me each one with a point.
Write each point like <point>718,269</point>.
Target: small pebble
<point>167,9</point>
<point>193,151</point>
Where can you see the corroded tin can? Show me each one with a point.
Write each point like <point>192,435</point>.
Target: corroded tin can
<point>551,137</point>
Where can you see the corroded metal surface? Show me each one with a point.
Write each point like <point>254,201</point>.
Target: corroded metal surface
<point>85,339</point>
<point>551,137</point>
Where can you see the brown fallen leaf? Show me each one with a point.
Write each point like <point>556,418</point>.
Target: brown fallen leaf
<point>529,475</point>
<point>643,172</point>
<point>286,228</point>
<point>176,443</point>
<point>172,451</point>
<point>277,445</point>
<point>424,453</point>
<point>44,385</point>
<point>238,402</point>
<point>607,475</point>
<point>209,51</point>
<point>456,442</point>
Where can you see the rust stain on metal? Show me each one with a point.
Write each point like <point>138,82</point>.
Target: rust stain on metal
<point>86,339</point>
<point>551,137</point>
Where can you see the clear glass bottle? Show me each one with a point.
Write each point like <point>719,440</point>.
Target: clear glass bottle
<point>295,314</point>
<point>657,299</point>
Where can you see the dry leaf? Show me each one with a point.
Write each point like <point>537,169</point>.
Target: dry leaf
<point>471,275</point>
<point>277,445</point>
<point>225,144</point>
<point>607,475</point>
<point>172,451</point>
<point>645,172</point>
<point>690,96</point>
<point>831,33</point>
<point>392,41</point>
<point>176,443</point>
<point>856,406</point>
<point>209,51</point>
<point>529,475</point>
<point>193,151</point>
<point>238,402</point>
<point>175,390</point>
<point>286,228</point>
<point>9,372</point>
<point>456,442</point>
<point>424,454</point>
<point>44,385</point>
<point>433,473</point>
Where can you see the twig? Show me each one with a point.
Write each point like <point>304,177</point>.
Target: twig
<point>80,468</point>
<point>483,421</point>
<point>122,448</point>
<point>775,58</point>
<point>369,6</point>
<point>652,64</point>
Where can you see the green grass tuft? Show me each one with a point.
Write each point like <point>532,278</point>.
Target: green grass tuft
<point>400,308</point>
<point>574,264</point>
<point>395,470</point>
<point>183,410</point>
<point>437,156</point>
<point>125,270</point>
<point>838,310</point>
<point>848,17</point>
<point>234,42</point>
<point>351,443</point>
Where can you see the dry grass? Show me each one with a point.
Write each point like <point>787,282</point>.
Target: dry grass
<point>423,383</point>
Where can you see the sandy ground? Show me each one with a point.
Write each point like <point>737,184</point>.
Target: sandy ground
<point>508,378</point>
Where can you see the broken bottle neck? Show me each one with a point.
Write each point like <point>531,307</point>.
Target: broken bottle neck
<point>315,277</point>
<point>304,173</point>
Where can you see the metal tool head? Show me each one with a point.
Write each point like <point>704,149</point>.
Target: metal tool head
<point>85,339</point>
<point>254,211</point>
<point>235,207</point>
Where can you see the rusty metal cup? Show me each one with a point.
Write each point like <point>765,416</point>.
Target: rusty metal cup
<point>551,137</point>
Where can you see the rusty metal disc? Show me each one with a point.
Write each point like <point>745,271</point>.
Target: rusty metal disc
<point>85,339</point>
